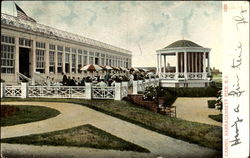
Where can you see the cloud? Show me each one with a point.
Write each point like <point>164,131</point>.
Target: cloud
<point>153,24</point>
<point>185,24</point>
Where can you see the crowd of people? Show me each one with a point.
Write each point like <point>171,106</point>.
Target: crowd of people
<point>108,79</point>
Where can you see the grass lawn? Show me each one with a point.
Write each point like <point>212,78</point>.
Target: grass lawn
<point>81,136</point>
<point>202,134</point>
<point>27,113</point>
<point>216,117</point>
<point>211,103</point>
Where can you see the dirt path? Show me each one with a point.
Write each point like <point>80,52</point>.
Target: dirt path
<point>196,109</point>
<point>74,115</point>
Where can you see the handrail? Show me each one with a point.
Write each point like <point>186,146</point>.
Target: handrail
<point>20,75</point>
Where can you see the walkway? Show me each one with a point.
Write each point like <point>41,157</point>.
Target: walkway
<point>74,115</point>
<point>196,109</point>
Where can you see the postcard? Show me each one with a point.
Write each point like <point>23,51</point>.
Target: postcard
<point>125,79</point>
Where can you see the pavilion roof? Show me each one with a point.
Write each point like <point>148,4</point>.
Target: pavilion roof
<point>182,43</point>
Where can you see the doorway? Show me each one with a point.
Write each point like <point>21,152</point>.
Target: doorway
<point>24,62</point>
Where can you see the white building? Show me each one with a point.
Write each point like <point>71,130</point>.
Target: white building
<point>192,65</point>
<point>33,51</point>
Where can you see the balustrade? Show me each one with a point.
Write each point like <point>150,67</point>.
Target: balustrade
<point>189,75</point>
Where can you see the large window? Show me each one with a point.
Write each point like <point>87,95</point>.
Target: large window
<point>40,60</point>
<point>60,48</point>
<point>40,45</point>
<point>79,62</point>
<point>7,59</point>
<point>24,42</point>
<point>74,63</point>
<point>59,62</point>
<point>7,54</point>
<point>52,47</point>
<point>67,70</point>
<point>85,60</point>
<point>91,60</point>
<point>7,39</point>
<point>52,62</point>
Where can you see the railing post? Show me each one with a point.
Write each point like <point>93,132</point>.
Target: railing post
<point>88,90</point>
<point>124,86</point>
<point>135,87</point>
<point>24,90</point>
<point>33,82</point>
<point>2,89</point>
<point>118,91</point>
<point>140,85</point>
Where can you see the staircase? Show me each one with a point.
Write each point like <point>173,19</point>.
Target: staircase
<point>36,80</point>
<point>39,79</point>
<point>22,78</point>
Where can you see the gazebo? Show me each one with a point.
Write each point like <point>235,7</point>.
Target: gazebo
<point>192,65</point>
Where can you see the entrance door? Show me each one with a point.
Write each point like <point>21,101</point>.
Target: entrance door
<point>24,67</point>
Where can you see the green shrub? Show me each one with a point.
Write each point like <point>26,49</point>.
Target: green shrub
<point>193,91</point>
<point>211,103</point>
<point>217,118</point>
<point>152,93</point>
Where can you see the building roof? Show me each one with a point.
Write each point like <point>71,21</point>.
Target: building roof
<point>182,43</point>
<point>40,28</point>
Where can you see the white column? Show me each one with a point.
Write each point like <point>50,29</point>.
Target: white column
<point>157,69</point>
<point>77,61</point>
<point>196,62</point>
<point>176,68</point>
<point>204,65</point>
<point>63,60</point>
<point>135,87</point>
<point>17,57</point>
<point>160,67</point>
<point>118,95</point>
<point>2,89</point>
<point>55,65</point>
<point>33,51</point>
<point>46,61</point>
<point>88,90</point>
<point>185,64</point>
<point>24,90</point>
<point>208,63</point>
<point>105,58</point>
<point>70,61</point>
<point>164,56</point>
<point>87,58</point>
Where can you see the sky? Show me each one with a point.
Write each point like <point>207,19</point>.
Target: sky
<point>139,26</point>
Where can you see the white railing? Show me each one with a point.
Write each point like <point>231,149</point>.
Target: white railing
<point>12,91</point>
<point>181,75</point>
<point>167,75</point>
<point>196,75</point>
<point>103,92</point>
<point>56,91</point>
<point>22,77</point>
<point>119,91</point>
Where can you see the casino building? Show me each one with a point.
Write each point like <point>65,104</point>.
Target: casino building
<point>33,51</point>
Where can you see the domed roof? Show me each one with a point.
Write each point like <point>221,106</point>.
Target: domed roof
<point>183,43</point>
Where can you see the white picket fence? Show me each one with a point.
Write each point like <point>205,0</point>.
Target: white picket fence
<point>119,91</point>
<point>103,92</point>
<point>56,91</point>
